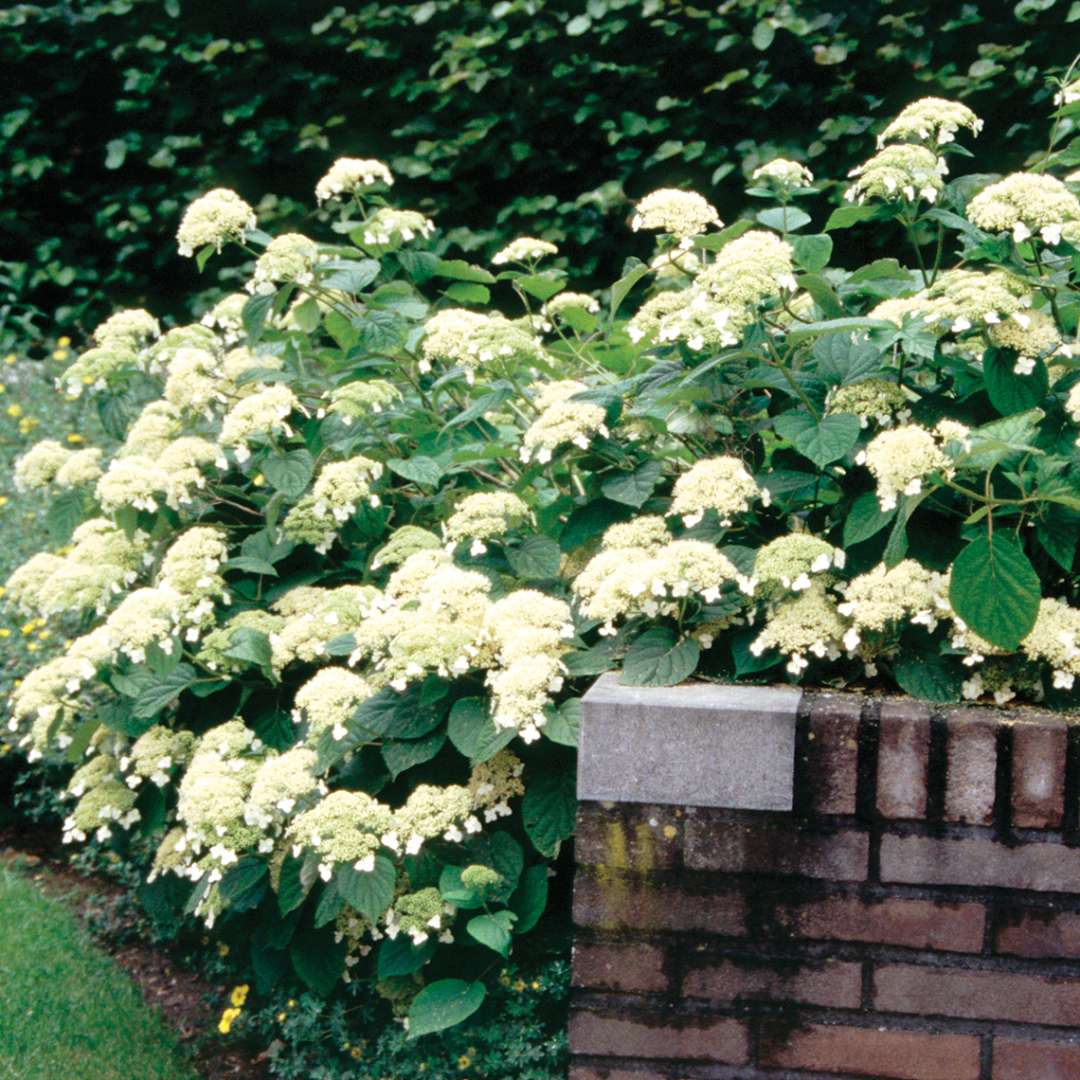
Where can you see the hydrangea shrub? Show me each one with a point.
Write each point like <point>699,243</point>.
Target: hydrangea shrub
<point>372,526</point>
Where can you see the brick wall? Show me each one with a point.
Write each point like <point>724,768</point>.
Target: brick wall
<point>916,916</point>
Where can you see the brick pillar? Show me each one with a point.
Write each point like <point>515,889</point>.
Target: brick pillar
<point>785,885</point>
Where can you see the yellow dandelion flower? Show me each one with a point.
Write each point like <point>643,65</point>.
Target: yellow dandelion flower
<point>228,1017</point>
<point>75,437</point>
<point>464,1061</point>
<point>14,411</point>
<point>44,634</point>
<point>60,354</point>
<point>32,647</point>
<point>281,1017</point>
<point>239,995</point>
<point>63,342</point>
<point>4,632</point>
<point>10,358</point>
<point>356,1053</point>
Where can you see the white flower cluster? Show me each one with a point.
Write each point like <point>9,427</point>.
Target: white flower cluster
<point>352,176</point>
<point>931,120</point>
<point>213,220</point>
<point>903,171</point>
<point>484,515</point>
<point>901,459</point>
<point>525,250</point>
<point>471,340</point>
<point>289,257</point>
<point>783,174</point>
<point>682,214</point>
<point>1026,204</point>
<point>721,484</point>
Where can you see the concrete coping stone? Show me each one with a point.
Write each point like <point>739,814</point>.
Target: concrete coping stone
<point>699,744</point>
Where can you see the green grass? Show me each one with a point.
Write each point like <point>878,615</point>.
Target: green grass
<point>67,1012</point>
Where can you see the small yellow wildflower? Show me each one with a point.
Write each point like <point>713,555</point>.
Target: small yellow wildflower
<point>535,984</point>
<point>14,411</point>
<point>356,1053</point>
<point>258,480</point>
<point>281,1017</point>
<point>4,632</point>
<point>3,502</point>
<point>239,995</point>
<point>464,1061</point>
<point>10,358</point>
<point>32,647</point>
<point>63,342</point>
<point>44,634</point>
<point>519,985</point>
<point>291,1003</point>
<point>60,354</point>
<point>222,949</point>
<point>75,437</point>
<point>227,1019</point>
<point>3,388</point>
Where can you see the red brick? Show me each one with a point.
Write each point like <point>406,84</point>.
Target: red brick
<point>832,758</point>
<point>1039,932</point>
<point>853,1051</point>
<point>700,1039</point>
<point>977,995</point>
<point>916,924</point>
<point>601,1072</point>
<point>924,860</point>
<point>972,766</point>
<point>1021,1059</point>
<point>772,847</point>
<point>612,901</point>
<point>829,983</point>
<point>903,754</point>
<point>630,965</point>
<point>1038,773</point>
<point>628,837</point>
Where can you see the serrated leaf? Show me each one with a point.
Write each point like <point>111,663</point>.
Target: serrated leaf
<point>548,809</point>
<point>844,217</point>
<point>444,1004</point>
<point>995,590</point>
<point>399,956</point>
<point>467,292</point>
<point>318,960</point>
<point>846,359</point>
<point>460,270</point>
<point>530,899</point>
<point>419,469</point>
<point>289,473</point>
<point>633,488</point>
<point>541,286</point>
<point>291,890</point>
<point>349,275</point>
<point>834,326</point>
<point>658,657</point>
<point>812,252</point>
<point>495,930</point>
<point>1010,392</point>
<point>822,441</point>
<point>64,515</point>
<point>564,723</point>
<point>926,674</point>
<point>623,286</point>
<point>370,892</point>
<point>163,691</point>
<point>254,314</point>
<point>865,519</point>
<point>537,558</point>
<point>402,754</point>
<point>249,646</point>
<point>784,219</point>
<point>473,732</point>
<point>244,884</point>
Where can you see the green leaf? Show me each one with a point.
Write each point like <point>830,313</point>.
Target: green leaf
<point>420,470</point>
<point>541,286</point>
<point>244,884</point>
<point>746,663</point>
<point>494,931</point>
<point>564,723</point>
<point>530,899</point>
<point>812,253</point>
<point>897,545</point>
<point>1009,392</point>
<point>307,315</point>
<point>163,691</point>
<point>398,714</point>
<point>399,956</point>
<point>924,673</point>
<point>341,329</point>
<point>659,658</point>
<point>844,217</point>
<point>64,515</point>
<point>821,441</point>
<point>291,889</point>
<point>370,892</point>
<point>823,294</point>
<point>537,558</point>
<point>249,646</point>
<point>252,566</point>
<point>865,519</point>
<point>254,315</point>
<point>548,809</point>
<point>349,275</point>
<point>995,590</point>
<point>454,892</point>
<point>763,34</point>
<point>330,906</point>
<point>633,488</point>
<point>460,270</point>
<point>466,292</point>
<point>832,326</point>
<point>846,359</point>
<point>1057,533</point>
<point>289,473</point>
<point>401,754</point>
<point>623,286</point>
<point>318,960</point>
<point>443,1004</point>
<point>473,732</point>
<point>786,219</point>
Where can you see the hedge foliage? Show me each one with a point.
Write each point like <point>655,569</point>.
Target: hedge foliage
<point>523,116</point>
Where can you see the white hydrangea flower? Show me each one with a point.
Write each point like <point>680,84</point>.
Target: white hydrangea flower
<point>213,220</point>
<point>931,120</point>
<point>721,484</point>
<point>683,214</point>
<point>525,249</point>
<point>351,176</point>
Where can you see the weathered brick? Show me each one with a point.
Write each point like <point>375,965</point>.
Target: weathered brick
<point>1038,773</point>
<point>714,1039</point>
<point>972,765</point>
<point>603,1072</point>
<point>915,924</point>
<point>612,901</point>
<point>874,1052</point>
<point>631,966</point>
<point>977,995</point>
<point>1023,1059</point>
<point>903,754</point>
<point>1038,932</point>
<point>828,983</point>
<point>774,847</point>
<point>976,861</point>
<point>628,836</point>
<point>832,758</point>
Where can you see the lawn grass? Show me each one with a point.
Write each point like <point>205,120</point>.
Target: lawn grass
<point>67,1012</point>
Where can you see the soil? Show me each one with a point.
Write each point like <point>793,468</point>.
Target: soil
<point>188,1003</point>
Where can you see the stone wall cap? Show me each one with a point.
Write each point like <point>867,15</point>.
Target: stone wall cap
<point>698,744</point>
